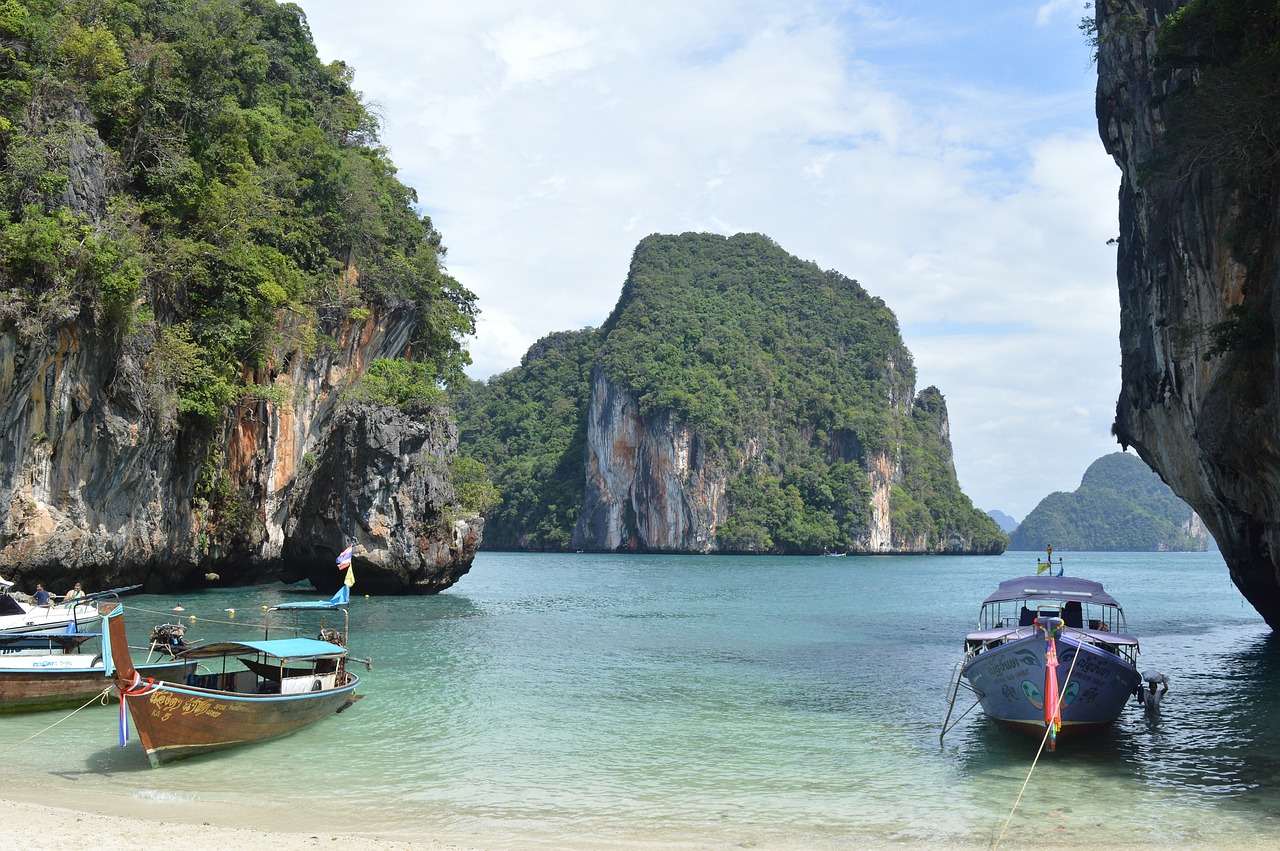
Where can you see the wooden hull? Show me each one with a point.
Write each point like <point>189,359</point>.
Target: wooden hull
<point>177,721</point>
<point>37,690</point>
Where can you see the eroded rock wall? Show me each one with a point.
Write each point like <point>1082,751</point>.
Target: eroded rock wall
<point>1208,423</point>
<point>652,487</point>
<point>98,483</point>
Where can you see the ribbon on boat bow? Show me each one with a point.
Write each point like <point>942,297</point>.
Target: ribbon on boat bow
<point>1052,700</point>
<point>137,688</point>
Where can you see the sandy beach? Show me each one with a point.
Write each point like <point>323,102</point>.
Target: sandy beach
<point>106,829</point>
<point>110,832</point>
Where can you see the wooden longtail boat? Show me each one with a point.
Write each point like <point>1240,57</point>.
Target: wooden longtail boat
<point>1050,657</point>
<point>254,691</point>
<point>54,670</point>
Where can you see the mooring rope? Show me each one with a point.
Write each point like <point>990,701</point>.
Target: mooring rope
<point>183,615</point>
<point>97,697</point>
<point>1047,730</point>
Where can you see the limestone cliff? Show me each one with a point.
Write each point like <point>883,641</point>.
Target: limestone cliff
<point>1198,267</point>
<point>99,485</point>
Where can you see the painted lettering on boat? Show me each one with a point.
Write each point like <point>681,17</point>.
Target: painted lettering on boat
<point>163,705</point>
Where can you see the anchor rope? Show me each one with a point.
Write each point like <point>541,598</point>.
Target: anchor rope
<point>102,697</point>
<point>169,613</point>
<point>1048,729</point>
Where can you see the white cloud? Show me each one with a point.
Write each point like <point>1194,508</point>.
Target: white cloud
<point>917,147</point>
<point>1051,11</point>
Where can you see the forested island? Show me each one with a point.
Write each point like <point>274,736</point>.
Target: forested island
<point>737,399</point>
<point>1121,505</point>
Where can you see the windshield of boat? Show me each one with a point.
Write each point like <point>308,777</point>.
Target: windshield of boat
<point>1076,614</point>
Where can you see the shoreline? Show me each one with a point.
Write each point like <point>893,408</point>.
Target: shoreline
<point>123,823</point>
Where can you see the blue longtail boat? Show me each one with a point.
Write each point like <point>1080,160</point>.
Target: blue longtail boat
<point>1051,656</point>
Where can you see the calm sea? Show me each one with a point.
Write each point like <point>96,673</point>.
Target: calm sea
<point>714,702</point>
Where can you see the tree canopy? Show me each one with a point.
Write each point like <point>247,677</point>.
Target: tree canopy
<point>191,170</point>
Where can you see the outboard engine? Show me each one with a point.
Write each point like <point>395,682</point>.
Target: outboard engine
<point>170,638</point>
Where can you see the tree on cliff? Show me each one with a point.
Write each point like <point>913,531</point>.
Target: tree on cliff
<point>795,381</point>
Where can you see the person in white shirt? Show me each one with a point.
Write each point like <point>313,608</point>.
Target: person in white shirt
<point>1149,697</point>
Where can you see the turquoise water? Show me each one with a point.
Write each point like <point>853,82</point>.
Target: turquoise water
<point>708,701</point>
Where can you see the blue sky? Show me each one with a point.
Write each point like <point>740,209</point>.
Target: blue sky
<point>943,154</point>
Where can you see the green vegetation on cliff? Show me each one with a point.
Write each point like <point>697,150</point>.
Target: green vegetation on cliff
<point>795,379</point>
<point>528,426</point>
<point>1121,505</point>
<point>188,171</point>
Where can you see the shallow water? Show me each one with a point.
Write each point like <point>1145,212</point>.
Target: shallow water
<point>792,702</point>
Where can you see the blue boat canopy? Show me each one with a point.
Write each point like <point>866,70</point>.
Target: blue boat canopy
<point>281,648</point>
<point>1052,588</point>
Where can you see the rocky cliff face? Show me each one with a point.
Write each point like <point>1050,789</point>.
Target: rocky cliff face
<point>379,479</point>
<point>652,487</point>
<point>1198,402</point>
<point>649,484</point>
<point>97,482</point>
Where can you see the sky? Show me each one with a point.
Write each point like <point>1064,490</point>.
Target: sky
<point>945,155</point>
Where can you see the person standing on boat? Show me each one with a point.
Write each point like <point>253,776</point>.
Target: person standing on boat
<point>74,594</point>
<point>41,596</point>
<point>1149,697</point>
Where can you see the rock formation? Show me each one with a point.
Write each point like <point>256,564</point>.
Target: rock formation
<point>649,484</point>
<point>657,481</point>
<point>380,480</point>
<point>1199,256</point>
<point>98,486</point>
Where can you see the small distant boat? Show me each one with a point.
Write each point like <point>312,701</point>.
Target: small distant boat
<point>834,555</point>
<point>1050,657</point>
<point>60,670</point>
<point>253,691</point>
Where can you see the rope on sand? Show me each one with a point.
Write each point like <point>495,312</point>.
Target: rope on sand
<point>1047,730</point>
<point>102,697</point>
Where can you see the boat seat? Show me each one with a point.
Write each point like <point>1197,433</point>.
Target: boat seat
<point>1028,617</point>
<point>1072,615</point>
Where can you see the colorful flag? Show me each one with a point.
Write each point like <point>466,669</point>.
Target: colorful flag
<point>343,596</point>
<point>350,581</point>
<point>344,558</point>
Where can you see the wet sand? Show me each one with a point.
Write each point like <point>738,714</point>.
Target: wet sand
<point>111,823</point>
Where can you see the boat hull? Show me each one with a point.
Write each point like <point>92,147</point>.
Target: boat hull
<point>176,721</point>
<point>35,689</point>
<point>1010,679</point>
<point>50,618</point>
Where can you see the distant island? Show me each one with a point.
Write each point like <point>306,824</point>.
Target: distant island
<point>1121,505</point>
<point>737,400</point>
<point>1004,521</point>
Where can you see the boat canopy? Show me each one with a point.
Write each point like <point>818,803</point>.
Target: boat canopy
<point>1052,588</point>
<point>281,648</point>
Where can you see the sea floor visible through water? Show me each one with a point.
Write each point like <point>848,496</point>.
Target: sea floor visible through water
<point>685,701</point>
